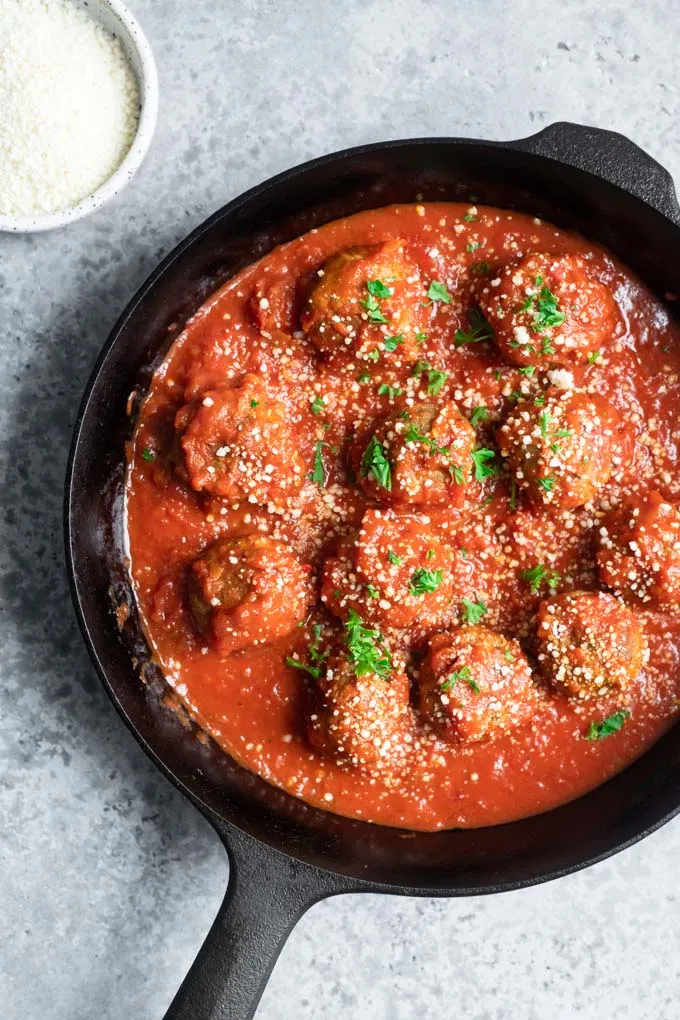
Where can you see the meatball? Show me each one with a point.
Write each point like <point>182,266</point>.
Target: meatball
<point>395,572</point>
<point>248,590</point>
<point>423,459</point>
<point>475,685</point>
<point>589,644</point>
<point>365,720</point>
<point>238,444</point>
<point>547,309</point>
<point>365,295</point>
<point>639,551</point>
<point>562,452</point>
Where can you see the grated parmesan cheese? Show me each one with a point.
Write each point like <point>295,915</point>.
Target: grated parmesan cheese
<point>69,105</point>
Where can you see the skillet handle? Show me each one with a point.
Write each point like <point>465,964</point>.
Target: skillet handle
<point>267,895</point>
<point>608,155</point>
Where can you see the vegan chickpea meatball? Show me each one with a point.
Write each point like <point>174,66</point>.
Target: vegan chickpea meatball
<point>395,572</point>
<point>561,453</point>
<point>589,644</point>
<point>420,460</point>
<point>364,720</point>
<point>365,295</point>
<point>237,443</point>
<point>475,684</point>
<point>548,309</point>
<point>639,551</point>
<point>248,590</point>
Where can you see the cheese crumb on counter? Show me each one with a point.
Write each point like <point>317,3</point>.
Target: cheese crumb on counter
<point>69,106</point>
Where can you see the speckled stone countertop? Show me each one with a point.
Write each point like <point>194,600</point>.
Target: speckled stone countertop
<point>109,878</point>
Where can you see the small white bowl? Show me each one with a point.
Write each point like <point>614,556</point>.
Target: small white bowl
<point>115,18</point>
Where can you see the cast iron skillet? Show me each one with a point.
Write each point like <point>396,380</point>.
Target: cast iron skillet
<point>285,856</point>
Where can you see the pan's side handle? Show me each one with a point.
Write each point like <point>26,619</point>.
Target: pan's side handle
<point>267,894</point>
<point>608,155</point>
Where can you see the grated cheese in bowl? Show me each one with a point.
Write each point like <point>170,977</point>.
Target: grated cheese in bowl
<point>69,106</point>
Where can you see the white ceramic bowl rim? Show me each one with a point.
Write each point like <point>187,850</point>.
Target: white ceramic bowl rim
<point>147,81</point>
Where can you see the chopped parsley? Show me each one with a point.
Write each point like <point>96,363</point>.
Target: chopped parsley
<point>375,464</point>
<point>483,469</point>
<point>317,405</point>
<point>439,292</point>
<point>419,368</point>
<point>479,415</point>
<point>435,378</point>
<point>389,391</point>
<point>538,575</point>
<point>393,558</point>
<point>372,591</point>
<point>539,399</point>
<point>435,381</point>
<point>528,370</point>
<point>364,378</point>
<point>473,611</point>
<point>430,554</point>
<point>547,483</point>
<point>377,291</point>
<point>376,288</point>
<point>366,648</point>
<point>547,314</point>
<point>148,455</point>
<point>469,218</point>
<point>314,671</point>
<point>472,246</point>
<point>254,403</point>
<point>508,656</point>
<point>478,330</point>
<point>317,655</point>
<point>373,355</point>
<point>463,674</point>
<point>392,342</point>
<point>318,474</point>
<point>594,356</point>
<point>605,728</point>
<point>479,268</point>
<point>420,337</point>
<point>425,581</point>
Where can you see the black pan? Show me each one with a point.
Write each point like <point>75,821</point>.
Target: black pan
<point>284,855</point>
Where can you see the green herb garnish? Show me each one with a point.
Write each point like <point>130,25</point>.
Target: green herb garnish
<point>148,455</point>
<point>389,391</point>
<point>547,483</point>
<point>393,558</point>
<point>425,581</point>
<point>392,342</point>
<point>479,415</point>
<point>473,611</point>
<point>377,291</point>
<point>483,468</point>
<point>463,674</point>
<point>375,464</point>
<point>439,292</point>
<point>435,381</point>
<point>477,331</point>
<point>366,648</point>
<point>317,405</point>
<point>318,475</point>
<point>540,574</point>
<point>605,728</point>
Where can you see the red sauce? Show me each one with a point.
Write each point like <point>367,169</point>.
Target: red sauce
<point>248,699</point>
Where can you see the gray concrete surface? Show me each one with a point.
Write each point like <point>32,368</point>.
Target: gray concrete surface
<point>109,879</point>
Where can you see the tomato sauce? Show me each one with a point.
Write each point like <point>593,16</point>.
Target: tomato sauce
<point>251,700</point>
